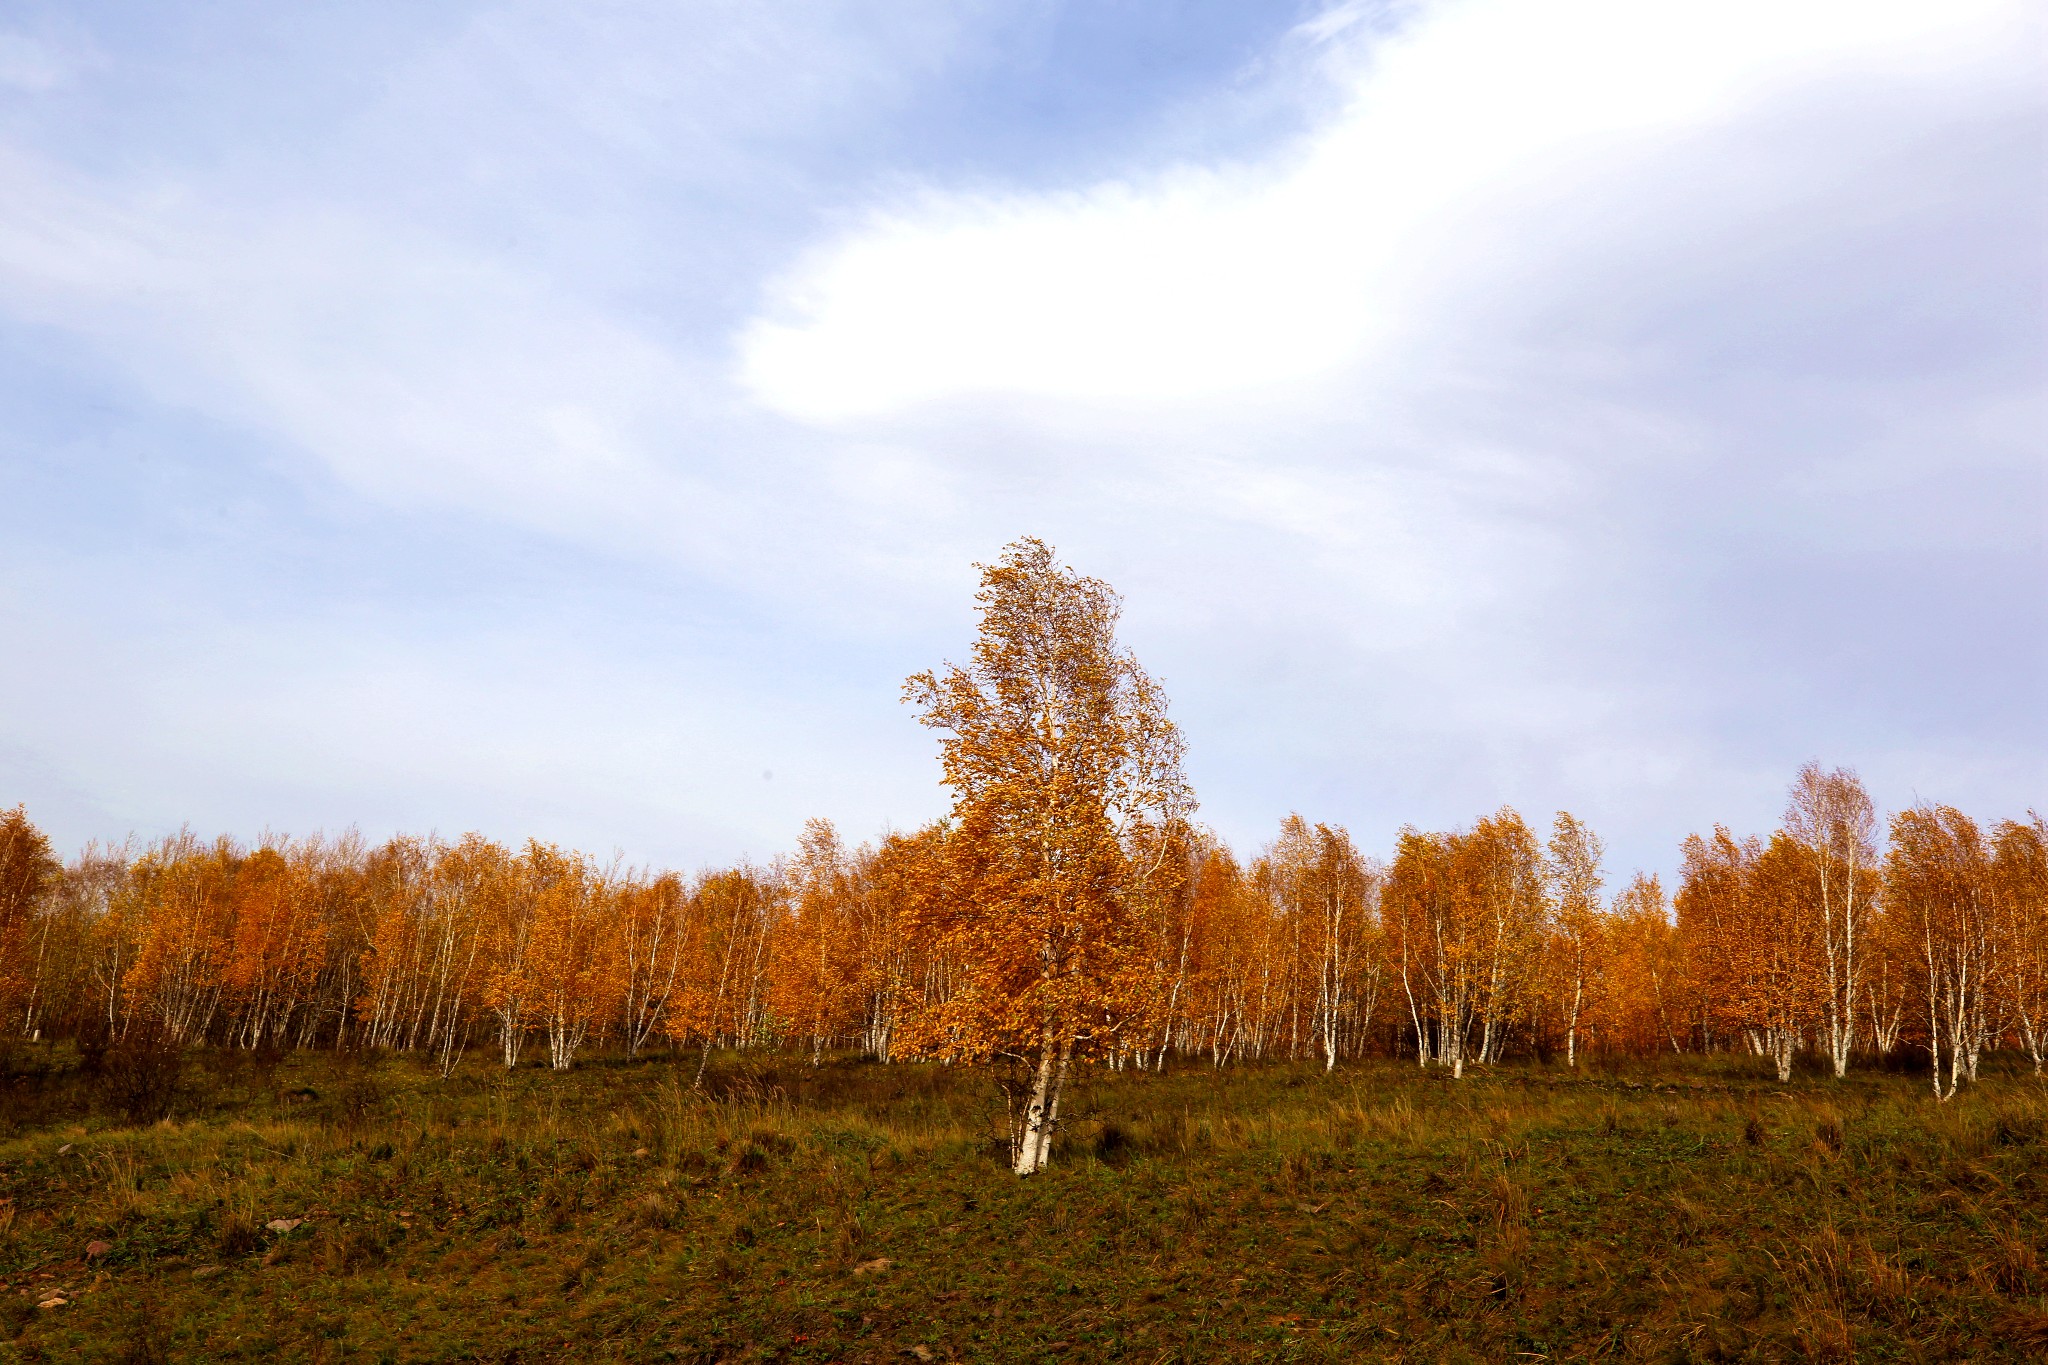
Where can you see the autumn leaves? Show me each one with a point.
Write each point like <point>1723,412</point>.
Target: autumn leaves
<point>1067,908</point>
<point>1809,942</point>
<point>1966,928</point>
<point>1066,774</point>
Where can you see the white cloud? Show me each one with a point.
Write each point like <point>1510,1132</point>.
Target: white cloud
<point>1203,283</point>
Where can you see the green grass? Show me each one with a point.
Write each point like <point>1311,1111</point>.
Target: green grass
<point>859,1212</point>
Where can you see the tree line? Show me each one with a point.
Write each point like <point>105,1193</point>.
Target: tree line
<point>1068,907</point>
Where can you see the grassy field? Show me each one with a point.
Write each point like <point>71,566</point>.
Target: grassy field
<point>860,1212</point>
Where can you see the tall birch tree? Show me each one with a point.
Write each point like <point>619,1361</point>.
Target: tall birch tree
<point>1055,743</point>
<point>1577,926</point>
<point>28,872</point>
<point>1829,815</point>
<point>1937,883</point>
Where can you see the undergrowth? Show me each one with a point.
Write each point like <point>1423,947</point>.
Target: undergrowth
<point>1685,1210</point>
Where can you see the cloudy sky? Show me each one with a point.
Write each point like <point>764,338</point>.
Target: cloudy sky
<point>576,421</point>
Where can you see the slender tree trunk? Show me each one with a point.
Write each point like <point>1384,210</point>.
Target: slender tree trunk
<point>1571,1035</point>
<point>1034,1141</point>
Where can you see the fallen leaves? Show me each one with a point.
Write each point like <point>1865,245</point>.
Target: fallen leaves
<point>876,1266</point>
<point>281,1226</point>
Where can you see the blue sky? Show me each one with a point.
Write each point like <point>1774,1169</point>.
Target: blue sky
<point>578,422</point>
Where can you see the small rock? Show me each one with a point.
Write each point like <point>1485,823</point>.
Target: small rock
<point>879,1263</point>
<point>281,1226</point>
<point>206,1272</point>
<point>53,1303</point>
<point>93,1249</point>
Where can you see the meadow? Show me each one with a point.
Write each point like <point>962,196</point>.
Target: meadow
<point>235,1206</point>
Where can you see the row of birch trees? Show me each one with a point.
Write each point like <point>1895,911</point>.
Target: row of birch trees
<point>1068,908</point>
<point>1466,947</point>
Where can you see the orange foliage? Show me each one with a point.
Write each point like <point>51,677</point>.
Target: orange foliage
<point>1066,909</point>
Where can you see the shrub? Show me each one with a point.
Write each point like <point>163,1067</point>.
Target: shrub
<point>139,1075</point>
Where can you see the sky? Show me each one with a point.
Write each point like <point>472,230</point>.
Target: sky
<point>576,422</point>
